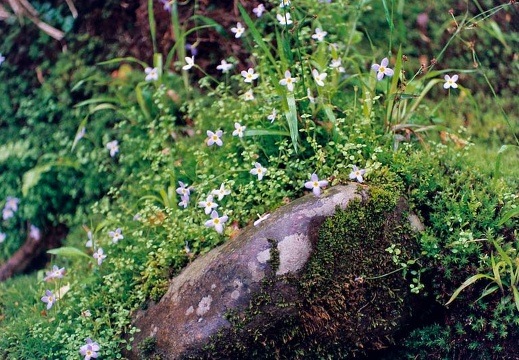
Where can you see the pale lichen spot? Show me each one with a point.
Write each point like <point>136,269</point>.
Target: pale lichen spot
<point>190,310</point>
<point>294,251</point>
<point>204,305</point>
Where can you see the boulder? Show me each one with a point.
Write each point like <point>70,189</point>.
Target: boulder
<point>316,277</point>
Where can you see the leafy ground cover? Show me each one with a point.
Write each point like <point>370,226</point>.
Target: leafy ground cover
<point>153,160</point>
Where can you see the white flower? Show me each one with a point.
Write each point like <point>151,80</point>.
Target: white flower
<point>249,95</point>
<point>258,170</point>
<point>284,3</point>
<point>113,146</point>
<point>382,69</point>
<point>214,138</point>
<point>116,235</point>
<point>99,256</point>
<point>357,174</point>
<point>450,82</point>
<point>261,219</point>
<point>319,77</point>
<point>238,30</point>
<point>309,96</point>
<point>2,59</point>
<point>258,10</point>
<point>151,74</point>
<point>2,237</point>
<point>216,221</point>
<point>183,190</point>
<point>35,233</point>
<point>239,130</point>
<point>190,62</point>
<point>224,66</point>
<point>288,81</point>
<point>284,19</point>
<point>315,184</point>
<point>184,201</point>
<point>221,192</point>
<point>249,75</point>
<point>90,241</point>
<point>319,34</point>
<point>272,116</point>
<point>336,64</point>
<point>208,204</point>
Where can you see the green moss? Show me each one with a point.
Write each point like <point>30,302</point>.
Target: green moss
<point>147,348</point>
<point>337,308</point>
<point>354,300</point>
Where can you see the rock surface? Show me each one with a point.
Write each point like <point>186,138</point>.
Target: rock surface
<point>223,283</point>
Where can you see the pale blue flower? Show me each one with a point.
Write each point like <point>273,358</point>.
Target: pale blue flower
<point>184,201</point>
<point>2,237</point>
<point>319,77</point>
<point>382,69</point>
<point>2,59</point>
<point>113,146</point>
<point>284,19</point>
<point>221,192</point>
<point>214,138</point>
<point>89,350</point>
<point>272,116</point>
<point>315,184</point>
<point>99,256</point>
<point>216,221</point>
<point>224,66</point>
<point>49,299</point>
<point>288,81</point>
<point>35,233</point>
<point>12,203</point>
<point>249,75</point>
<point>239,129</point>
<point>151,74</point>
<point>7,213</point>
<point>357,174</point>
<point>190,62</point>
<point>319,34</point>
<point>183,190</point>
<point>55,273</point>
<point>258,10</point>
<point>450,82</point>
<point>258,170</point>
<point>116,235</point>
<point>238,30</point>
<point>208,204</point>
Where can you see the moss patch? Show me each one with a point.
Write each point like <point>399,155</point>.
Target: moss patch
<point>354,299</point>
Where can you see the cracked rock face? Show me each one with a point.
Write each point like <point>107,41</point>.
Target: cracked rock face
<point>225,279</point>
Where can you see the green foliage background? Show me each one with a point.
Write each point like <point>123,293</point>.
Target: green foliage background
<point>447,173</point>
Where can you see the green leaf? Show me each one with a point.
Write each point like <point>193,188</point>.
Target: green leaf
<point>153,25</point>
<point>32,177</point>
<point>291,116</point>
<point>81,126</point>
<point>142,102</point>
<point>264,132</point>
<point>516,296</point>
<point>471,280</point>
<point>508,215</point>
<point>68,251</point>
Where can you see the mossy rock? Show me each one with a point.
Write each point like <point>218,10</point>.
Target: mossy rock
<point>343,297</point>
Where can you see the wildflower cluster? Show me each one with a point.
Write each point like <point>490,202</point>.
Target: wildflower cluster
<point>10,207</point>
